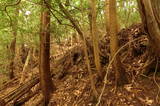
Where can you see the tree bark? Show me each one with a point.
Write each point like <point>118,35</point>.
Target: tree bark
<point>149,11</point>
<point>13,44</point>
<point>44,68</point>
<point>87,60</point>
<point>120,74</point>
<point>95,37</point>
<point>107,15</point>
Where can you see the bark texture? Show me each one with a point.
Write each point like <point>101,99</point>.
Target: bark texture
<point>12,48</point>
<point>150,15</point>
<point>107,15</point>
<point>95,38</point>
<point>120,74</point>
<point>45,75</point>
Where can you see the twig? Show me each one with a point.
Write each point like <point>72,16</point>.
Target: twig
<point>24,67</point>
<point>9,5</point>
<point>58,20</point>
<point>154,78</point>
<point>110,63</point>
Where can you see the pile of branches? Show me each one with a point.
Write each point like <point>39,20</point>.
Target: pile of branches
<point>59,69</point>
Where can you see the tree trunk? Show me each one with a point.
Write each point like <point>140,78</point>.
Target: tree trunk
<point>121,78</point>
<point>95,36</point>
<point>87,61</point>
<point>13,44</point>
<point>12,55</point>
<point>44,68</point>
<point>150,15</point>
<point>107,15</point>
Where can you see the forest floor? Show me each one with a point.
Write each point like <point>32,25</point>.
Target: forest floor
<point>71,78</point>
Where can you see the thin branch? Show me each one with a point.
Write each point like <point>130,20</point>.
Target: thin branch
<point>49,7</point>
<point>59,21</point>
<point>154,78</point>
<point>10,5</point>
<point>109,65</point>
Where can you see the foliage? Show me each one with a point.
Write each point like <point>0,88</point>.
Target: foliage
<point>61,28</point>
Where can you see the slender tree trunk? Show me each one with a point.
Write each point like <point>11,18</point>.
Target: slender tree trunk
<point>12,55</point>
<point>44,68</point>
<point>87,60</point>
<point>95,36</point>
<point>121,78</point>
<point>93,87</point>
<point>12,47</point>
<point>107,15</point>
<point>25,66</point>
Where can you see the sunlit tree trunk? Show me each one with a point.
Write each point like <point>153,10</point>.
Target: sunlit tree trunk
<point>12,47</point>
<point>44,67</point>
<point>95,37</point>
<point>121,78</point>
<point>107,15</point>
<point>150,14</point>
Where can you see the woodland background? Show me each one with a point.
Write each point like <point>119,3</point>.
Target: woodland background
<point>79,52</point>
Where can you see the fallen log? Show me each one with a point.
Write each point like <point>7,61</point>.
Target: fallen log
<point>25,99</point>
<point>5,85</point>
<point>21,90</point>
<point>64,64</point>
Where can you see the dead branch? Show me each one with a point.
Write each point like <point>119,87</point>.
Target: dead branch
<point>108,67</point>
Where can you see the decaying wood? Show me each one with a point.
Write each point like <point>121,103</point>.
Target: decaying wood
<point>25,99</point>
<point>7,84</point>
<point>64,65</point>
<point>21,90</point>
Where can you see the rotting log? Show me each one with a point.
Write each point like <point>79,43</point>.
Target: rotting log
<point>25,88</point>
<point>5,85</point>
<point>25,99</point>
